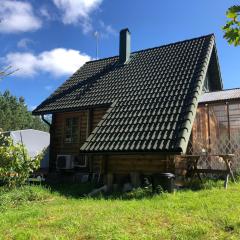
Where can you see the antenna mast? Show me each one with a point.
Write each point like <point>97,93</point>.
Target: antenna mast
<point>96,35</point>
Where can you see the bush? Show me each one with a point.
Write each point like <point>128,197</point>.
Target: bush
<point>15,163</point>
<point>138,193</point>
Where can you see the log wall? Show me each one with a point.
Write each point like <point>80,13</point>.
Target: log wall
<point>58,144</point>
<point>141,163</point>
<point>117,164</point>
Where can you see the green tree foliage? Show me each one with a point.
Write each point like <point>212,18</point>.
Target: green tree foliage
<point>232,27</point>
<point>15,163</point>
<point>14,114</point>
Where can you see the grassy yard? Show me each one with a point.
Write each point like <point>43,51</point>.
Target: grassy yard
<point>38,213</point>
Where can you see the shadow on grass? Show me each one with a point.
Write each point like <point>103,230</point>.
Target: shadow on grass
<point>147,193</point>
<point>81,190</point>
<point>71,190</point>
<point>197,185</point>
<point>135,194</point>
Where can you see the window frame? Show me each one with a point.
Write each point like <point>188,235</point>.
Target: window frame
<point>84,158</point>
<point>74,136</point>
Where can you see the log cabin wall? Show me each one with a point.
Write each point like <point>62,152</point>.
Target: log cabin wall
<point>87,121</point>
<point>119,164</point>
<point>141,163</point>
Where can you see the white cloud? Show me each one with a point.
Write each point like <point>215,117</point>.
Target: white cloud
<point>17,16</point>
<point>86,27</point>
<point>24,42</point>
<point>25,63</point>
<point>77,11</point>
<point>59,62</point>
<point>45,12</point>
<point>106,30</point>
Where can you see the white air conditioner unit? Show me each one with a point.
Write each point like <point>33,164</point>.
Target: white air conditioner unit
<point>65,162</point>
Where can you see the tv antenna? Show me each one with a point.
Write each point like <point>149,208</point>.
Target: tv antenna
<point>97,35</point>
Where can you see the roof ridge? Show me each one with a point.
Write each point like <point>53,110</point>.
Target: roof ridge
<point>181,41</point>
<point>161,46</point>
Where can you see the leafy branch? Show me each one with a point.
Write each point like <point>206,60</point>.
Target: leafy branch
<point>232,27</point>
<point>7,71</point>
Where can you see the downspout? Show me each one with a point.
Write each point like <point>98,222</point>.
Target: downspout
<point>50,145</point>
<point>24,156</point>
<point>48,123</point>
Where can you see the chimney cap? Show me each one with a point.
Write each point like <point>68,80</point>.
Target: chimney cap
<point>124,30</point>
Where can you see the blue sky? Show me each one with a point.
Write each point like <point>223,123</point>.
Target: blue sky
<point>49,39</point>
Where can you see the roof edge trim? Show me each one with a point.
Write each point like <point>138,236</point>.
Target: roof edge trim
<point>186,128</point>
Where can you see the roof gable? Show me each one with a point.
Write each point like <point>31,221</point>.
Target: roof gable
<point>153,98</point>
<point>214,72</point>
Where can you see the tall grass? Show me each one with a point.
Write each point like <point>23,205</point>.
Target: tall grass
<point>12,198</point>
<point>36,212</point>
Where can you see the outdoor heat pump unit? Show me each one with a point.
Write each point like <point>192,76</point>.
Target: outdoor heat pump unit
<point>65,162</point>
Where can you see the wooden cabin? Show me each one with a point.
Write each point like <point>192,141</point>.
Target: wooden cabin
<point>133,113</point>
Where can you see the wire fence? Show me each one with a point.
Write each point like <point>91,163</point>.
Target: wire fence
<point>216,146</point>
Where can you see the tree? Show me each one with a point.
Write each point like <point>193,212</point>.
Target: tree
<point>6,71</point>
<point>14,114</point>
<point>232,27</point>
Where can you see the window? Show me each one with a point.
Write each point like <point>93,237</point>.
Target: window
<point>71,130</point>
<point>218,123</point>
<point>80,161</point>
<point>234,118</point>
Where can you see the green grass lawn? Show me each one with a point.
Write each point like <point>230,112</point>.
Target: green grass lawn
<point>38,213</point>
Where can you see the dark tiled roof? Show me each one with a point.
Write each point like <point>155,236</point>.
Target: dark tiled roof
<point>218,96</point>
<point>153,98</point>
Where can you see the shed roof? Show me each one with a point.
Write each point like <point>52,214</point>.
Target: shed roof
<point>152,99</point>
<point>219,96</point>
<point>34,140</point>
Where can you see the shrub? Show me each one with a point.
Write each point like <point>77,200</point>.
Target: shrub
<point>138,193</point>
<point>15,163</point>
